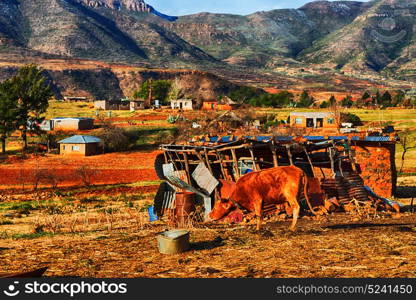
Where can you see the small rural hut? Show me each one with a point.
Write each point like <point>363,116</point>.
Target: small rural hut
<point>131,105</point>
<point>76,99</point>
<point>72,124</point>
<point>137,105</point>
<point>183,104</point>
<point>224,104</point>
<point>112,105</point>
<point>83,145</point>
<point>312,120</point>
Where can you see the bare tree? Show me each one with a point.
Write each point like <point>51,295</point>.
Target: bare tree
<point>337,110</point>
<point>86,175</point>
<point>408,142</point>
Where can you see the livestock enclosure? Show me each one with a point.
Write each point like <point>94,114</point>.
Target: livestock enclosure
<point>338,166</point>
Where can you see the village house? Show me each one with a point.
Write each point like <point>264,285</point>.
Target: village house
<point>182,104</point>
<point>312,120</point>
<point>131,105</point>
<point>223,104</point>
<point>67,124</point>
<point>76,99</point>
<point>137,105</point>
<point>83,145</point>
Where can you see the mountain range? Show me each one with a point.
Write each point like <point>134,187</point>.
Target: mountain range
<point>376,36</point>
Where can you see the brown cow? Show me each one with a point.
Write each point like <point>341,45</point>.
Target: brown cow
<point>272,186</point>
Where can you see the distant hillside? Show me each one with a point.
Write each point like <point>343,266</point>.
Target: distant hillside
<point>376,36</point>
<point>97,81</point>
<point>265,38</point>
<point>70,28</point>
<point>381,39</point>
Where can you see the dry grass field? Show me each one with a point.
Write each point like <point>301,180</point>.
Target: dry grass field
<point>120,243</point>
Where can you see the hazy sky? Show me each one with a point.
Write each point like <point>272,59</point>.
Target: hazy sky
<point>243,7</point>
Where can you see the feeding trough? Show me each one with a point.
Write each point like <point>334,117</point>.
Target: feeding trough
<point>173,241</point>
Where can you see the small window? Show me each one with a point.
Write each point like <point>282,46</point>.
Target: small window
<point>75,148</point>
<point>331,121</point>
<point>64,147</point>
<point>298,120</point>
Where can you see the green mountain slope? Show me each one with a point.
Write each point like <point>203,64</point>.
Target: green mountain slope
<point>265,38</point>
<point>381,39</point>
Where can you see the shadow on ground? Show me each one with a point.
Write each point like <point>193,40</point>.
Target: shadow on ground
<point>406,192</point>
<point>208,245</point>
<point>366,225</point>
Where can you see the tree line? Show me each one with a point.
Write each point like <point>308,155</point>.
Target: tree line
<point>260,98</point>
<point>23,99</point>
<point>286,99</point>
<point>377,100</point>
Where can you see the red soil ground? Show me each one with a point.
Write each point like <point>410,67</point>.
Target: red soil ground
<point>113,168</point>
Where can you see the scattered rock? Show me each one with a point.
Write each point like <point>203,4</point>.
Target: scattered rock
<point>266,233</point>
<point>182,261</point>
<point>405,229</point>
<point>210,270</point>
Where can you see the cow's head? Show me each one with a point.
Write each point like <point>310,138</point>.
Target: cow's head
<point>220,210</point>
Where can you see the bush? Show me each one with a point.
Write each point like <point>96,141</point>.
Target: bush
<point>160,90</point>
<point>351,118</point>
<point>114,139</point>
<point>245,94</point>
<point>282,99</point>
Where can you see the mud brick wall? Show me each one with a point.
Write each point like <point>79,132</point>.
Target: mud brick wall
<point>378,166</point>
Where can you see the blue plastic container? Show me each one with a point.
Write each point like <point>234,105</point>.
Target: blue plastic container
<point>152,216</point>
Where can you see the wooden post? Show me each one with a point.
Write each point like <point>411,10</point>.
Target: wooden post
<point>289,153</point>
<point>253,158</point>
<point>235,162</point>
<point>412,206</point>
<point>207,160</point>
<point>340,167</point>
<point>200,157</point>
<point>224,175</point>
<point>226,167</point>
<point>331,157</point>
<point>310,161</point>
<point>172,161</point>
<point>352,160</point>
<point>275,160</point>
<point>188,174</point>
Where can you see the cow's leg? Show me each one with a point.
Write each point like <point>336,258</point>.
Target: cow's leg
<point>291,195</point>
<point>258,209</point>
<point>296,210</point>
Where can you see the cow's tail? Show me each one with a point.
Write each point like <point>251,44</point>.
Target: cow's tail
<point>305,191</point>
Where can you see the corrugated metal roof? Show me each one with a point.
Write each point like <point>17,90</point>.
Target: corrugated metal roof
<point>314,138</point>
<point>334,138</point>
<point>377,139</point>
<point>284,138</point>
<point>263,138</point>
<point>81,139</point>
<point>63,118</point>
<point>229,139</point>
